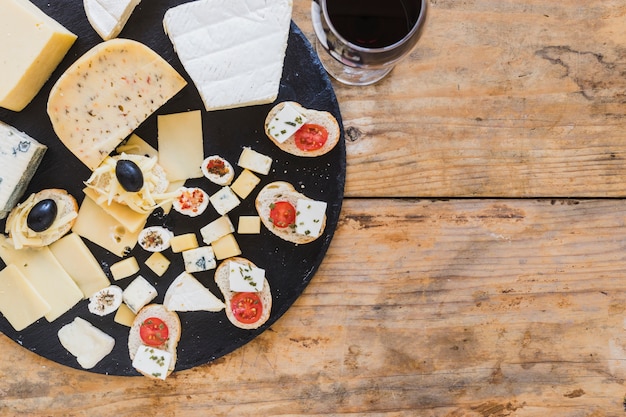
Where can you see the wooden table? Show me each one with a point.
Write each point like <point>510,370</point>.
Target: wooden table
<point>479,267</point>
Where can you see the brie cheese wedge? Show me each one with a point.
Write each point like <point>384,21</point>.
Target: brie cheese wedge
<point>233,50</point>
<point>108,17</point>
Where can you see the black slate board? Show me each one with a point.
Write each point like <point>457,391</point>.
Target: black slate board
<point>289,268</point>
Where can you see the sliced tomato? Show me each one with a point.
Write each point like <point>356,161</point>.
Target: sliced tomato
<point>153,331</point>
<point>311,137</point>
<point>282,214</point>
<point>247,307</point>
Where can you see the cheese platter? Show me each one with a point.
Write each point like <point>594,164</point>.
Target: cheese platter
<point>232,132</point>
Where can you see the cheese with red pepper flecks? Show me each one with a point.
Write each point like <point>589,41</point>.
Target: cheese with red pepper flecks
<point>106,94</point>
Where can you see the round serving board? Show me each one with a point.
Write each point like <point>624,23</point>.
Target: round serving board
<point>289,268</point>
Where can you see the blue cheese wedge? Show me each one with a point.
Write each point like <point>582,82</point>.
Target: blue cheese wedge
<point>245,278</point>
<point>138,293</point>
<point>216,40</point>
<point>152,361</point>
<point>108,17</point>
<point>186,293</point>
<point>224,200</point>
<point>310,216</point>
<point>106,94</point>
<point>20,156</point>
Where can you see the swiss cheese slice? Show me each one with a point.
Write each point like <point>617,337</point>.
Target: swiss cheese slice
<point>108,17</point>
<point>106,94</point>
<point>20,303</point>
<point>233,50</point>
<point>45,274</point>
<point>33,44</point>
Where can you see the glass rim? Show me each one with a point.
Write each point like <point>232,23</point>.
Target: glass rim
<point>417,26</point>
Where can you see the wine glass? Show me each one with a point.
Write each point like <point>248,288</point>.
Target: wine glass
<point>360,41</point>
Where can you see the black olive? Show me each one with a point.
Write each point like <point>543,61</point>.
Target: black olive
<point>129,175</point>
<point>42,215</point>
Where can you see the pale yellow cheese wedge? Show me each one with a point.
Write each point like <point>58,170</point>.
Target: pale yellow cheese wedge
<point>31,47</point>
<point>106,94</point>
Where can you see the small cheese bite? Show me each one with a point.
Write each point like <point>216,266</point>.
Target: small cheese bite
<point>190,201</point>
<point>218,170</point>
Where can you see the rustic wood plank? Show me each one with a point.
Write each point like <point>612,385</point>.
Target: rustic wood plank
<point>499,98</point>
<point>437,308</point>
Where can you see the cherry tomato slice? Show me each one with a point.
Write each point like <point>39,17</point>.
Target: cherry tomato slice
<point>310,137</point>
<point>282,214</point>
<point>247,307</point>
<point>153,331</point>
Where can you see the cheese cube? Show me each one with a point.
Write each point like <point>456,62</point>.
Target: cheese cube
<point>158,263</point>
<point>245,183</point>
<point>183,242</point>
<point>152,361</point>
<point>85,341</point>
<point>20,303</point>
<point>310,217</point>
<point>233,50</point>
<point>33,44</point>
<point>224,200</point>
<point>124,268</point>
<point>20,156</point>
<point>225,247</point>
<point>244,278</point>
<point>124,315</point>
<point>216,229</point>
<point>254,161</point>
<point>199,259</point>
<point>286,122</point>
<point>249,225</point>
<point>138,293</point>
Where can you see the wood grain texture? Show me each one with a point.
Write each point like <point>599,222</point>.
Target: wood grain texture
<point>436,308</point>
<point>499,98</point>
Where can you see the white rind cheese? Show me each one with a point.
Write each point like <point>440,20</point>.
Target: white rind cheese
<point>186,293</point>
<point>20,156</point>
<point>106,94</point>
<point>233,50</point>
<point>108,17</point>
<point>152,361</point>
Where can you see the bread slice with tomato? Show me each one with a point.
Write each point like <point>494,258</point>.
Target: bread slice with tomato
<point>155,327</point>
<point>301,131</point>
<point>247,309</point>
<point>283,211</point>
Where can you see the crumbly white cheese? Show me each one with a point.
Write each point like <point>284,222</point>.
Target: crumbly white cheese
<point>286,122</point>
<point>245,278</point>
<point>310,216</point>
<point>224,200</point>
<point>216,229</point>
<point>152,361</point>
<point>20,156</point>
<point>108,17</point>
<point>233,50</point>
<point>138,293</point>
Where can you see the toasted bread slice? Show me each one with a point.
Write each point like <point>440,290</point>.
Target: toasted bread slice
<point>312,116</point>
<point>172,321</point>
<point>223,282</point>
<point>23,236</point>
<point>282,191</point>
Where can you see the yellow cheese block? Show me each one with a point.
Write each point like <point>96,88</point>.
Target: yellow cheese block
<point>127,217</point>
<point>245,183</point>
<point>46,275</point>
<point>95,225</point>
<point>184,242</point>
<point>106,94</point>
<point>249,225</point>
<point>124,268</point>
<point>158,263</point>
<point>31,47</point>
<point>226,247</point>
<point>20,303</point>
<point>180,145</point>
<point>124,315</point>
<point>76,258</point>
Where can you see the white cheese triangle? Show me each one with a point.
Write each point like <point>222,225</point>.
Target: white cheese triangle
<point>186,293</point>
<point>108,17</point>
<point>233,50</point>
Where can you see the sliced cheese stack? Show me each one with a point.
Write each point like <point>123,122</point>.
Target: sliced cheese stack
<point>31,47</point>
<point>108,17</point>
<point>20,156</point>
<point>233,50</point>
<point>106,94</point>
